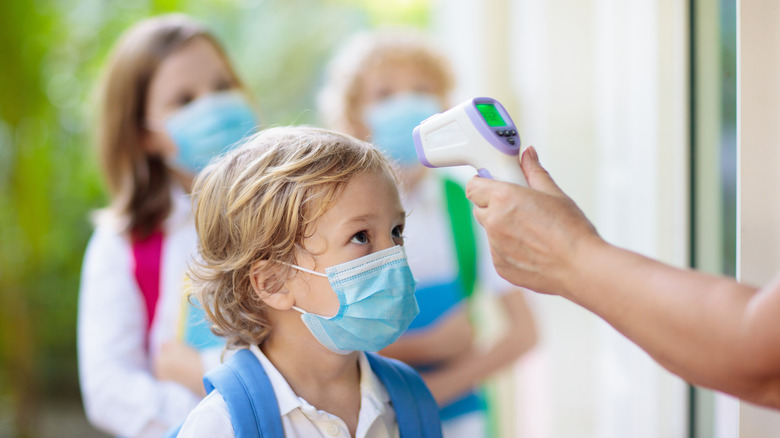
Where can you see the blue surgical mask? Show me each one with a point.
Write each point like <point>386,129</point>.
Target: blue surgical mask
<point>209,126</point>
<point>376,302</point>
<point>392,121</point>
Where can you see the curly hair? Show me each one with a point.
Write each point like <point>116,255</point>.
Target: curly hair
<point>259,202</point>
<point>338,98</point>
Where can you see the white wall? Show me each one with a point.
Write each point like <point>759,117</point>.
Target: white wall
<point>599,87</point>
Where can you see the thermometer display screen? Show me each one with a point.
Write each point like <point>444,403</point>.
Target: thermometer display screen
<point>490,114</point>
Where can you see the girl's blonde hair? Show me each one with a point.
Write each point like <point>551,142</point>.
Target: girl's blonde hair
<point>139,183</point>
<point>259,202</point>
<point>338,99</point>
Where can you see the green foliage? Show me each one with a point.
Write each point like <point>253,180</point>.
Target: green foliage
<point>52,52</point>
<point>394,12</point>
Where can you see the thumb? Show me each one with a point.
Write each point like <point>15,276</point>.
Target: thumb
<point>478,190</point>
<point>538,178</point>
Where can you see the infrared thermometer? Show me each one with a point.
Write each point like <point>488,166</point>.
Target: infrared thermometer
<point>477,133</point>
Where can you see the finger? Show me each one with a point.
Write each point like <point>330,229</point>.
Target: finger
<point>478,191</point>
<point>480,214</point>
<point>537,176</point>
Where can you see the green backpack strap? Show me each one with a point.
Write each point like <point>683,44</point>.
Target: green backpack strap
<point>465,239</point>
<point>459,209</point>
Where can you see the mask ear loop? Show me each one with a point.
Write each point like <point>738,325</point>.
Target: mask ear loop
<point>304,270</point>
<point>300,268</point>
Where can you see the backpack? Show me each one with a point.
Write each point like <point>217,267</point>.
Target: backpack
<point>463,235</point>
<point>147,260</point>
<point>254,411</point>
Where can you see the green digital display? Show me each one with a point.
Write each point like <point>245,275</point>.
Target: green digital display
<point>490,114</point>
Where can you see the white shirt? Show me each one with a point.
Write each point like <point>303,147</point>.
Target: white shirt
<point>299,418</point>
<point>121,396</point>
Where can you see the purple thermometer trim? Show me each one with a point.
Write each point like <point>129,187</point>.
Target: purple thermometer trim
<point>486,131</point>
<point>419,148</point>
<point>484,173</point>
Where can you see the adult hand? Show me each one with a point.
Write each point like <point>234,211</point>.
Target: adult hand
<point>535,233</point>
<point>709,330</point>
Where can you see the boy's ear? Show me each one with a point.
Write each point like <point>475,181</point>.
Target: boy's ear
<point>263,276</point>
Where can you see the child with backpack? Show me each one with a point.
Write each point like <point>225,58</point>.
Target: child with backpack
<point>379,86</point>
<point>302,269</point>
<point>169,101</point>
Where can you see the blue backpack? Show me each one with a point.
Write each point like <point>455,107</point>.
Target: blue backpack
<point>254,412</point>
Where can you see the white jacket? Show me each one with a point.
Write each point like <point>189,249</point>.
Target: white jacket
<point>121,396</point>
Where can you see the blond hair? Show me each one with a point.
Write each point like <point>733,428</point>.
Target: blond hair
<point>341,92</point>
<point>139,183</point>
<point>259,202</point>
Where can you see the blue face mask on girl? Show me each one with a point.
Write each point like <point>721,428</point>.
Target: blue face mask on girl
<point>209,126</point>
<point>392,121</point>
<point>377,303</point>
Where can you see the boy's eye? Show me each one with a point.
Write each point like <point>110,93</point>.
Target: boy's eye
<point>398,232</point>
<point>361,238</point>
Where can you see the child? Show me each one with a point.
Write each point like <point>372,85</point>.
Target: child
<point>302,265</point>
<point>169,101</point>
<point>379,87</point>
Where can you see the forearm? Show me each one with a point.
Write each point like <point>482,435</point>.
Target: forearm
<point>410,349</point>
<point>694,324</point>
<point>468,372</point>
<point>448,338</point>
<point>475,366</point>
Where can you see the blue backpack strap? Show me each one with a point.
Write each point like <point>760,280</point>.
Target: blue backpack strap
<point>249,395</point>
<point>415,408</point>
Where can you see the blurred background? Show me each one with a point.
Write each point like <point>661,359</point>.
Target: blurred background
<point>632,106</point>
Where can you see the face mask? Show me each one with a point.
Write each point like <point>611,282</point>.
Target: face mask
<point>392,121</point>
<point>377,303</point>
<point>209,126</point>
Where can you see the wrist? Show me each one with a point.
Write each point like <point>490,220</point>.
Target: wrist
<point>581,266</point>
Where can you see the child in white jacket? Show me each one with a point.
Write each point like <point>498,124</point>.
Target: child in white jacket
<point>169,102</point>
